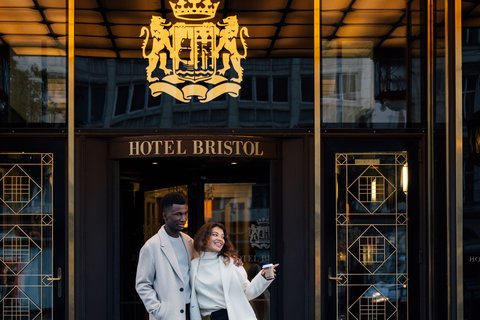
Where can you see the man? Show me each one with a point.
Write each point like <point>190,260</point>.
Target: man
<point>163,281</point>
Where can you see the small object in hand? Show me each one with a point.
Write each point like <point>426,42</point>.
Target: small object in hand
<point>268,271</point>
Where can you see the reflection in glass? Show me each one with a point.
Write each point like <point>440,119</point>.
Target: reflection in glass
<point>244,209</point>
<point>35,91</point>
<point>275,94</point>
<point>371,68</point>
<point>33,64</point>
<point>153,215</point>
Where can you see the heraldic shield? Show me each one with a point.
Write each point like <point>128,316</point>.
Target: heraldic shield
<point>182,61</point>
<point>193,47</point>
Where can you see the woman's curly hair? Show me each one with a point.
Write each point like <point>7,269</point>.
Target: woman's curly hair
<point>201,240</point>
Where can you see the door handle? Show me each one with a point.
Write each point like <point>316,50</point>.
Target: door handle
<point>334,278</point>
<point>58,277</point>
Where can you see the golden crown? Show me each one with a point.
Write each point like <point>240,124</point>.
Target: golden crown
<point>194,9</point>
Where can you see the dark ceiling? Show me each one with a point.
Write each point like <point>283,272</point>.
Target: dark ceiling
<point>277,28</point>
<point>111,28</point>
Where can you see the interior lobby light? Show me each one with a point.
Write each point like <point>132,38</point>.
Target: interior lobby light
<point>405,178</point>
<point>374,190</point>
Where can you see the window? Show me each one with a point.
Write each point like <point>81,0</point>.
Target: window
<point>81,103</point>
<point>349,86</point>
<point>308,93</point>
<point>329,85</point>
<point>280,89</point>
<point>262,88</point>
<point>246,91</point>
<point>138,98</point>
<point>122,100</point>
<point>98,103</point>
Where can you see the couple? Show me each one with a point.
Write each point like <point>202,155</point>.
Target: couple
<point>213,284</point>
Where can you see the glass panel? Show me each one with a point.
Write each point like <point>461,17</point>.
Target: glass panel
<point>153,215</point>
<point>372,69</point>
<point>26,236</point>
<point>245,210</point>
<point>262,88</point>
<point>33,64</point>
<point>371,231</point>
<point>204,78</point>
<point>277,95</point>
<point>471,156</point>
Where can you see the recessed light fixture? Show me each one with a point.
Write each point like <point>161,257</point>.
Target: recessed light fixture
<point>233,163</point>
<point>154,163</point>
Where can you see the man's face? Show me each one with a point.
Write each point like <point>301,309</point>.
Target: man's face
<point>175,217</point>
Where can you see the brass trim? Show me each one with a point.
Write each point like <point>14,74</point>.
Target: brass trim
<point>459,159</point>
<point>454,159</point>
<point>71,161</point>
<point>430,184</point>
<point>317,160</point>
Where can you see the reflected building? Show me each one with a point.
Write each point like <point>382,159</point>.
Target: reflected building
<point>276,93</point>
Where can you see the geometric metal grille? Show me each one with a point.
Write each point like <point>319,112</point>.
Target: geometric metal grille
<point>18,188</point>
<point>371,236</point>
<point>26,236</point>
<point>372,249</point>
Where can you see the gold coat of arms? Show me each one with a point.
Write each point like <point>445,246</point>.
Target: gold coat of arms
<point>182,61</point>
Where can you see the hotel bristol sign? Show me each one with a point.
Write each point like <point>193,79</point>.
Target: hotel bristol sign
<point>211,146</point>
<point>182,59</point>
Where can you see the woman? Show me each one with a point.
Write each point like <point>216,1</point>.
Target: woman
<point>219,287</point>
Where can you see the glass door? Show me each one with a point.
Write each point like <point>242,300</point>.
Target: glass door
<point>29,280</point>
<point>372,240</point>
<point>236,194</point>
<point>371,272</point>
<point>244,209</point>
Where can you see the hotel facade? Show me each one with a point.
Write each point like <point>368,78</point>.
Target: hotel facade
<point>340,139</point>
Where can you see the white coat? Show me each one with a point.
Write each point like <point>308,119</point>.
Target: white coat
<point>237,289</point>
<point>159,280</point>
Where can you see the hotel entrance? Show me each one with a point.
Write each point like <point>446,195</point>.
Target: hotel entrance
<point>236,193</point>
<point>264,202</point>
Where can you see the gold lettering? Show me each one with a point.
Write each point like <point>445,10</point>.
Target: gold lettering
<point>228,147</point>
<point>257,149</point>
<point>134,148</point>
<point>169,146</point>
<point>210,147</point>
<point>156,146</point>
<point>219,147</point>
<point>145,148</point>
<point>179,148</point>
<point>251,148</point>
<point>197,147</point>
<point>237,147</point>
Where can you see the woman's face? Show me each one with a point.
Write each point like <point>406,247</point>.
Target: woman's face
<point>216,240</point>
